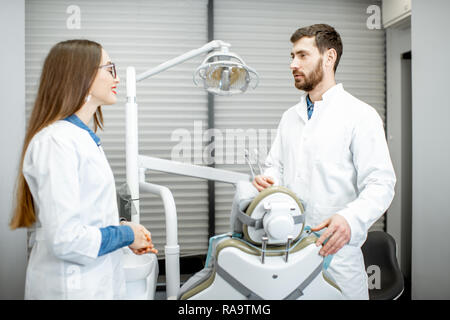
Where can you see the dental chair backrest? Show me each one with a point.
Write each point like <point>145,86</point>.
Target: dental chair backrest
<point>249,263</point>
<point>273,216</point>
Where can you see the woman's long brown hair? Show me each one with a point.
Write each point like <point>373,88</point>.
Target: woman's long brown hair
<point>67,75</point>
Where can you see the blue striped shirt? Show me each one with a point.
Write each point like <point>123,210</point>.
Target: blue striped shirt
<point>310,106</point>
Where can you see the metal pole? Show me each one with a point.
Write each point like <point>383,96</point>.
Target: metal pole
<point>131,138</point>
<point>211,124</point>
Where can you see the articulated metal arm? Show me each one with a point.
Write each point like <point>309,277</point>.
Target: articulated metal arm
<point>186,56</point>
<point>191,170</point>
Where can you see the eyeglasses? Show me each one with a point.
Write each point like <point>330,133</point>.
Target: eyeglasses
<point>111,68</point>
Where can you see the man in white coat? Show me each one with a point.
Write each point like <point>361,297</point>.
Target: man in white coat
<point>331,150</point>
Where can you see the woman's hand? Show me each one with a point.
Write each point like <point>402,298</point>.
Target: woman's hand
<point>142,239</point>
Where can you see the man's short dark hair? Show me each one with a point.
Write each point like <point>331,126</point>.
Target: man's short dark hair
<point>326,38</point>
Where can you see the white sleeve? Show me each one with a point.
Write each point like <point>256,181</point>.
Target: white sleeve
<point>375,177</point>
<point>273,166</point>
<point>52,168</point>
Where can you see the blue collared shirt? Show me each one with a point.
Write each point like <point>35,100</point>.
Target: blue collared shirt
<point>113,237</point>
<point>76,121</point>
<point>310,106</point>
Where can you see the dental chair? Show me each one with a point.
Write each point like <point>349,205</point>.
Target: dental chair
<point>380,250</point>
<point>270,253</point>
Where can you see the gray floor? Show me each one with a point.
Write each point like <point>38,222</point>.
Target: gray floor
<point>160,293</point>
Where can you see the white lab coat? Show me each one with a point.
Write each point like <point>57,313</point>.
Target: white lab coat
<point>74,195</point>
<point>336,162</point>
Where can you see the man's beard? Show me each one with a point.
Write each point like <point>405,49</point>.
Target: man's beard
<point>310,81</point>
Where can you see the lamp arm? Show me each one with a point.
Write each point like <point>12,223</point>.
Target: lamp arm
<point>215,44</point>
<point>191,170</point>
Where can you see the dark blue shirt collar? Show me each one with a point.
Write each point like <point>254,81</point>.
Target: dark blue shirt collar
<point>76,121</point>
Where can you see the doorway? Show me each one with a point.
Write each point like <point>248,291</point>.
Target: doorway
<point>399,136</point>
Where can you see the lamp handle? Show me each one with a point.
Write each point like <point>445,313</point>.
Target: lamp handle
<point>215,44</point>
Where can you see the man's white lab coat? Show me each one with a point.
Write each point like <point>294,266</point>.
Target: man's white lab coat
<point>336,162</point>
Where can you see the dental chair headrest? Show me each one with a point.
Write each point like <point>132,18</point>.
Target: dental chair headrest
<point>275,213</point>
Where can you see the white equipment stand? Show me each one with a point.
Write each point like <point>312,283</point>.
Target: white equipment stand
<point>142,271</point>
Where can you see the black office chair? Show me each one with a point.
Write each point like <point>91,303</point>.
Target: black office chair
<point>379,253</point>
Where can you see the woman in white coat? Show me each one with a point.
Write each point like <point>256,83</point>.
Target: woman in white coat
<point>66,192</point>
<point>331,150</point>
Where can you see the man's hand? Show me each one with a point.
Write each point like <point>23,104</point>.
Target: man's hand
<point>338,232</point>
<point>261,182</point>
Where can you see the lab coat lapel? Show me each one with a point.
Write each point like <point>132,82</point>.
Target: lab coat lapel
<point>301,108</point>
<point>329,96</point>
<point>319,106</point>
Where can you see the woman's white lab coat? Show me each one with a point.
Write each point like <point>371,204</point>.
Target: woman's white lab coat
<point>74,195</point>
<point>336,162</point>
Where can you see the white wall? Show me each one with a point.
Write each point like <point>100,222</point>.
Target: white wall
<point>13,251</point>
<point>431,149</point>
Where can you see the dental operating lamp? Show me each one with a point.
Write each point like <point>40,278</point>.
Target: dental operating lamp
<point>222,73</point>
